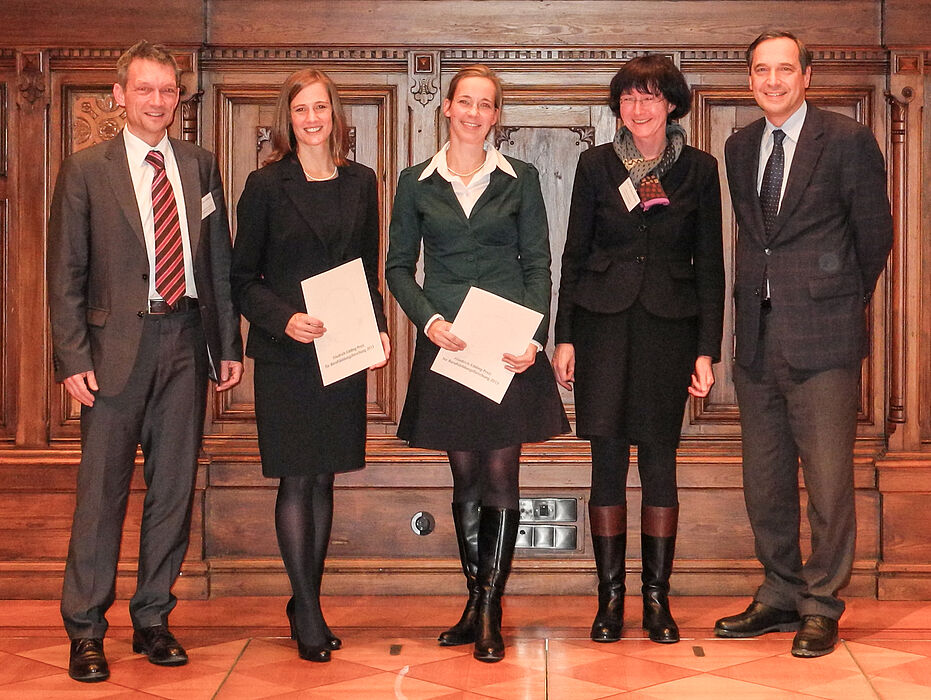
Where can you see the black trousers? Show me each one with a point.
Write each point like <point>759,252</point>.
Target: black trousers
<point>161,409</point>
<point>787,414</point>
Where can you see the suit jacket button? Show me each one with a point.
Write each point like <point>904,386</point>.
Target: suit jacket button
<point>756,292</point>
<point>140,314</point>
<point>768,251</point>
<point>640,258</point>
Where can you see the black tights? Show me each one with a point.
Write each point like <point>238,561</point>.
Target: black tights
<point>487,476</point>
<point>610,461</point>
<point>303,519</point>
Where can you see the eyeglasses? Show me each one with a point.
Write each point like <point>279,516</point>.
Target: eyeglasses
<point>646,100</point>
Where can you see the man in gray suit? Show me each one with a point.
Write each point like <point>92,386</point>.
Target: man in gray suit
<point>139,296</point>
<point>809,192</point>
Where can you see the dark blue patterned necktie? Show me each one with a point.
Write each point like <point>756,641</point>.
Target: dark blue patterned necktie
<point>771,187</point>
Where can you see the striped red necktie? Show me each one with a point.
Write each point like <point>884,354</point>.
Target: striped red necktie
<point>169,253</point>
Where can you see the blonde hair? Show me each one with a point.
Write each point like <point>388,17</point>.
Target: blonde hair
<point>477,70</point>
<point>143,50</point>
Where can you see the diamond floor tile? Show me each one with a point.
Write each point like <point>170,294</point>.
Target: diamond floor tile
<point>885,654</point>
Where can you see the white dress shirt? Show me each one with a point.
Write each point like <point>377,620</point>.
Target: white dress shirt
<point>469,194</point>
<point>142,174</point>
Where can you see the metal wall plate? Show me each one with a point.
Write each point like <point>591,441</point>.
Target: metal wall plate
<point>538,528</point>
<point>551,510</point>
<point>547,536</point>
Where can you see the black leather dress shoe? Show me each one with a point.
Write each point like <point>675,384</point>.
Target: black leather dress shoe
<point>816,637</point>
<point>757,619</point>
<point>160,645</point>
<point>87,663</point>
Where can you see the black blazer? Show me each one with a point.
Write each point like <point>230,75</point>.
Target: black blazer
<point>832,237</point>
<point>669,258</point>
<point>98,268</point>
<point>277,246</point>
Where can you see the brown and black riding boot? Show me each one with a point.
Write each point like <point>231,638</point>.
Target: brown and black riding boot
<point>609,542</point>
<point>658,544</point>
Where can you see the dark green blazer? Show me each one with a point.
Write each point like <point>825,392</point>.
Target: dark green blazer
<point>503,247</point>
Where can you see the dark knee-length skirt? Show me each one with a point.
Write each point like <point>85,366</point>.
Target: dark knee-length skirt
<point>304,427</point>
<point>442,414</point>
<point>632,373</point>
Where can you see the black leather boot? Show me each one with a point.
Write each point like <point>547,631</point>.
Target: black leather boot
<point>609,542</point>
<point>658,545</point>
<point>465,518</point>
<point>496,537</point>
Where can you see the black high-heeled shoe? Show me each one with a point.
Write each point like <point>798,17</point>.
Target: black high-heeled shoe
<point>307,652</point>
<point>333,643</point>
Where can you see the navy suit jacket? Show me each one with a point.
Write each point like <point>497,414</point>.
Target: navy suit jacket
<point>830,243</point>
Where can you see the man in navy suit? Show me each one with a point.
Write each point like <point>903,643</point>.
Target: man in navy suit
<point>139,297</point>
<point>815,229</point>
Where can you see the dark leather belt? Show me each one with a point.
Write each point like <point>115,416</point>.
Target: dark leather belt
<point>159,307</point>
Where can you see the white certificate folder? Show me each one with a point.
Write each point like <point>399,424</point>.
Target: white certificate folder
<point>490,326</point>
<point>340,298</point>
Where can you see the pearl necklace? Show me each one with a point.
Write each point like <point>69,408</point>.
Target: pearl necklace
<point>468,174</point>
<point>331,176</point>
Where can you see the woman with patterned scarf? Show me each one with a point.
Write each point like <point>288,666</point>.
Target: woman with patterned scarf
<point>639,322</point>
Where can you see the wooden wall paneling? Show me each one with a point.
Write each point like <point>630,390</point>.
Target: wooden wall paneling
<point>918,187</point>
<point>905,485</point>
<point>27,326</point>
<point>905,472</point>
<point>87,23</point>
<point>7,204</point>
<point>905,165</point>
<point>534,23</point>
<point>904,23</point>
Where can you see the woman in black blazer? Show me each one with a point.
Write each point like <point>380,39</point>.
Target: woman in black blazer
<point>306,211</point>
<point>639,321</point>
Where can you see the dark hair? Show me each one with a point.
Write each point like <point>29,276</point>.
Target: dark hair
<point>283,139</point>
<point>476,70</point>
<point>655,74</point>
<point>804,55</point>
<point>150,52</point>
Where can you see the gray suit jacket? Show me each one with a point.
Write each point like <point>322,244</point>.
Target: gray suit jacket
<point>97,266</point>
<point>830,244</point>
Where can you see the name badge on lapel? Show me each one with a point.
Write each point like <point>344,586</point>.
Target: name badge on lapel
<point>629,194</point>
<point>207,205</point>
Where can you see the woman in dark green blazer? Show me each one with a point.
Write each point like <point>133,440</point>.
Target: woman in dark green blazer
<point>482,222</point>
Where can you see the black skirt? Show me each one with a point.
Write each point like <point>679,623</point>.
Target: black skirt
<point>632,373</point>
<point>306,428</point>
<point>441,414</point>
